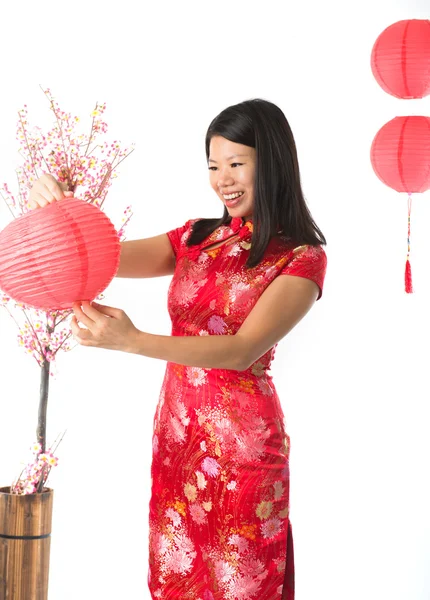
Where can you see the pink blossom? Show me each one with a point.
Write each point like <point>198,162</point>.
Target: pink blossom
<point>178,561</point>
<point>30,488</point>
<point>176,429</point>
<point>224,571</point>
<point>174,516</point>
<point>52,461</point>
<point>179,409</point>
<point>183,542</point>
<point>239,541</point>
<point>251,566</point>
<point>234,250</point>
<point>249,447</point>
<point>196,376</point>
<point>186,290</point>
<point>210,466</point>
<point>198,514</point>
<point>161,543</point>
<point>271,527</point>
<point>237,290</point>
<point>224,430</point>
<point>264,386</point>
<point>216,325</point>
<point>244,587</point>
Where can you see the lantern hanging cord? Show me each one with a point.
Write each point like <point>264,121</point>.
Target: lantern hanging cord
<point>409,224</point>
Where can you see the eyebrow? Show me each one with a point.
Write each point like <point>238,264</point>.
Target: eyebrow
<point>229,158</point>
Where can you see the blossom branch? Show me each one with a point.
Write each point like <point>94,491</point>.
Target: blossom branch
<point>34,333</point>
<point>92,127</point>
<point>70,159</point>
<point>28,145</point>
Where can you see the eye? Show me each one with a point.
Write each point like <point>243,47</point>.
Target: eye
<point>232,165</point>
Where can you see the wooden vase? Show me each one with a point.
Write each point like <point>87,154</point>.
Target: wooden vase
<point>25,541</point>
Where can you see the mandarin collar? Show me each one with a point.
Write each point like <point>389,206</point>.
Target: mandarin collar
<point>237,223</point>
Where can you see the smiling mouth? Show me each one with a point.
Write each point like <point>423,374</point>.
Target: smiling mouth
<point>232,196</point>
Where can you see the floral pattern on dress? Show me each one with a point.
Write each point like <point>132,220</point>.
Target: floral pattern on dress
<point>219,511</point>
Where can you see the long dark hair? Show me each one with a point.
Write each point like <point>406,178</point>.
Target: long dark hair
<point>279,203</point>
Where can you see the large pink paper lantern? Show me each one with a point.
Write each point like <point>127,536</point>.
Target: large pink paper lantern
<point>54,256</point>
<point>400,59</point>
<point>400,154</point>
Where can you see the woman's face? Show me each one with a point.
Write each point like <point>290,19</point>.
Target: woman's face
<point>232,171</point>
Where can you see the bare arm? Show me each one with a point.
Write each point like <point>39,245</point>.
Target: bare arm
<point>149,257</point>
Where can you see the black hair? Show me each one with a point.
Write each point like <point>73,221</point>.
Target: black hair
<point>279,204</point>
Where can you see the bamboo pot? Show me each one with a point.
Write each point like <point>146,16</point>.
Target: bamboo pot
<point>25,541</point>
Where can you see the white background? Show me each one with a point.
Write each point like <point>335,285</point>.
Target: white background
<point>352,377</point>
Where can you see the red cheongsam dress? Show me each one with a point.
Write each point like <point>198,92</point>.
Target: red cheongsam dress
<point>219,511</point>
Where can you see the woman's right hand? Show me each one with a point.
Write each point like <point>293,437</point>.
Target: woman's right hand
<point>47,190</point>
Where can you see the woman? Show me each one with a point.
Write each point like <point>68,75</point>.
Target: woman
<point>219,513</point>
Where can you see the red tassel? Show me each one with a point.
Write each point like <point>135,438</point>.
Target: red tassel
<point>408,277</point>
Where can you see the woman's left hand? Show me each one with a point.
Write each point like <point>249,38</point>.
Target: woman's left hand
<point>107,327</point>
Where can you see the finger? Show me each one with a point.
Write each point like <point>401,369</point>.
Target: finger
<point>38,200</point>
<point>74,326</point>
<point>52,191</point>
<point>91,311</point>
<point>33,204</point>
<point>82,317</point>
<point>110,311</point>
<point>79,334</point>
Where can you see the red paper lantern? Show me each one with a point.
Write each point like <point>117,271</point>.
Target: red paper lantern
<point>400,59</point>
<point>400,154</point>
<point>63,253</point>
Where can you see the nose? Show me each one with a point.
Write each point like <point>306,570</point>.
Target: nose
<point>225,179</point>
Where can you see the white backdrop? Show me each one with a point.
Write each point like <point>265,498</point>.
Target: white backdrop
<point>352,377</point>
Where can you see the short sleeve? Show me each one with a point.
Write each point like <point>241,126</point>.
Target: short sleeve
<point>179,236</point>
<point>309,262</point>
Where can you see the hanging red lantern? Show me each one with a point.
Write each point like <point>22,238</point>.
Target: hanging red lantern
<point>400,59</point>
<point>63,253</point>
<point>400,156</point>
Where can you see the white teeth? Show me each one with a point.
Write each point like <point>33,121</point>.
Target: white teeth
<point>232,196</point>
